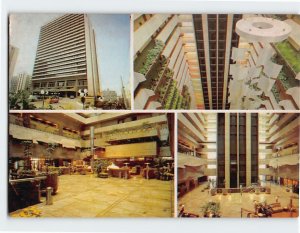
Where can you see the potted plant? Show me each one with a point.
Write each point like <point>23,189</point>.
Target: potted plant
<point>51,174</point>
<point>100,166</point>
<point>211,210</point>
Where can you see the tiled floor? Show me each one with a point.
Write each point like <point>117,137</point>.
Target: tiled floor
<point>231,204</point>
<point>88,196</point>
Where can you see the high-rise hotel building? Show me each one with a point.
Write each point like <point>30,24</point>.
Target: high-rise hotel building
<point>66,57</point>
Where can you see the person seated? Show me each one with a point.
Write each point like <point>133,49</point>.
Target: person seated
<point>183,214</point>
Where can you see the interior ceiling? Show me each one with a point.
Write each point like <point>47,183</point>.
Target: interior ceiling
<point>77,120</point>
<point>93,118</point>
<point>88,115</point>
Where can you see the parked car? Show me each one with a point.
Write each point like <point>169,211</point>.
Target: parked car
<point>54,100</point>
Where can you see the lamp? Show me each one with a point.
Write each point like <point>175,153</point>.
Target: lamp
<point>43,93</point>
<point>83,94</point>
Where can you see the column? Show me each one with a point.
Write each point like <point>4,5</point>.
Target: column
<point>227,150</point>
<point>248,149</point>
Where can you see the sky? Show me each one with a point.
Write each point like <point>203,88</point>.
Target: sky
<point>112,42</point>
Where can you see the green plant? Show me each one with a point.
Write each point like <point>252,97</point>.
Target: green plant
<point>50,149</point>
<point>151,57</point>
<point>254,87</point>
<point>186,98</point>
<point>275,93</point>
<point>50,107</point>
<point>175,100</point>
<point>27,153</point>
<point>170,95</point>
<point>286,81</point>
<point>20,100</point>
<point>290,55</point>
<point>211,209</point>
<point>100,166</point>
<point>179,102</point>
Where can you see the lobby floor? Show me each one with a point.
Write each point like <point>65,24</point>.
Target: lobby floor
<point>88,196</point>
<point>231,204</point>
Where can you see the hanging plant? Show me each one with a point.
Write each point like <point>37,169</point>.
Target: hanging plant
<point>152,56</point>
<point>276,93</point>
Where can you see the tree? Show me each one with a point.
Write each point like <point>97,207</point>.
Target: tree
<point>27,153</point>
<point>50,149</point>
<point>20,100</point>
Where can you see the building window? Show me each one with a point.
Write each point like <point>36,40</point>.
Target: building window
<point>43,84</point>
<point>61,84</point>
<point>36,85</point>
<point>71,83</point>
<point>82,82</point>
<point>51,84</point>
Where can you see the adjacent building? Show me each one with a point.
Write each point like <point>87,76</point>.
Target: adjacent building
<point>109,95</point>
<point>13,55</point>
<point>66,58</point>
<point>20,82</point>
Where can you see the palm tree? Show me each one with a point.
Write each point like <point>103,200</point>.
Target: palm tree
<point>27,153</point>
<point>19,100</point>
<point>50,149</point>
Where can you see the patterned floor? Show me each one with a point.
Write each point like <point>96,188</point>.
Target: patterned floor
<point>231,204</point>
<point>88,196</point>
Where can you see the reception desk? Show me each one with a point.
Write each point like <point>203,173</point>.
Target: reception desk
<point>119,172</point>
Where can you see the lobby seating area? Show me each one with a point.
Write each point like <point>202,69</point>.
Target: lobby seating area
<point>279,202</point>
<point>48,169</point>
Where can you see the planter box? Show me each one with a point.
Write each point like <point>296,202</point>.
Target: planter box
<point>51,181</point>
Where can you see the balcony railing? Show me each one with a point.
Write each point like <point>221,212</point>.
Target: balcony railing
<point>130,134</point>
<point>43,127</point>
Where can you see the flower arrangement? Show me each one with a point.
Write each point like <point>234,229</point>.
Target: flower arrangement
<point>30,212</point>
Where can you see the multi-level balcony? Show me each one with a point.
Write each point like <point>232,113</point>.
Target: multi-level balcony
<point>48,128</point>
<point>144,128</point>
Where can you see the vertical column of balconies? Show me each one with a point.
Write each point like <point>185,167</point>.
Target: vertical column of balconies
<point>197,138</point>
<point>170,86</point>
<point>279,140</point>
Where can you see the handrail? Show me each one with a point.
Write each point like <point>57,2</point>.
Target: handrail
<point>27,179</point>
